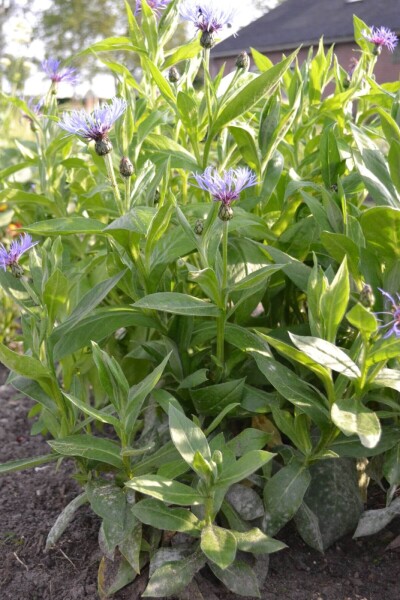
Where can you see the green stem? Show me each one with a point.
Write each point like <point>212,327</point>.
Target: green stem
<point>127,181</point>
<point>223,294</point>
<point>31,292</point>
<point>113,182</point>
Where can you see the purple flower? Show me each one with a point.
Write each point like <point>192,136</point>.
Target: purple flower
<point>394,324</point>
<point>96,125</point>
<point>155,5</point>
<point>11,257</point>
<point>381,36</point>
<point>206,15</point>
<point>51,67</point>
<point>227,187</point>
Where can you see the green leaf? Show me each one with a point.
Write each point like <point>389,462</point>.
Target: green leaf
<point>55,294</point>
<point>260,276</point>
<point>178,304</point>
<point>327,355</point>
<point>351,447</point>
<point>172,577</point>
<point>157,514</point>
<point>334,302</point>
<point>307,525</point>
<point>254,91</point>
<point>96,326</point>
<point>284,493</point>
<point>137,220</point>
<point>363,320</point>
<point>329,156</point>
<point>351,416</point>
<point>20,197</point>
<point>86,305</point>
<point>194,379</point>
<point>294,389</point>
<point>391,466</point>
<point>208,282</point>
<point>246,144</point>
<point>90,447</point>
<point>66,226</point>
<point>187,437</point>
<point>242,468</point>
<point>388,378</point>
<point>138,393</point>
<point>257,542</point>
<point>334,498</point>
<point>373,521</point>
<point>219,545</point>
<point>167,490</point>
<point>27,366</point>
<point>64,519</point>
<point>212,399</point>
<point>247,440</point>
<point>98,415</point>
<point>26,463</point>
<point>239,578</point>
<point>381,228</point>
<point>374,170</point>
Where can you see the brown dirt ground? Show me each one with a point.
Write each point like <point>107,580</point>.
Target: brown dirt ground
<point>30,501</point>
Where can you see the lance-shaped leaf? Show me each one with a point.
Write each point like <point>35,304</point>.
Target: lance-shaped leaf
<point>187,437</point>
<point>239,578</point>
<point>90,447</point>
<point>326,354</point>
<point>157,514</point>
<point>173,576</point>
<point>245,466</point>
<point>219,545</point>
<point>254,91</point>
<point>138,393</point>
<point>351,416</point>
<point>284,493</point>
<point>257,542</point>
<point>64,519</point>
<point>178,304</point>
<point>167,490</point>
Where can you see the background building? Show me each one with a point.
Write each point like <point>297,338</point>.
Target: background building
<point>303,22</point>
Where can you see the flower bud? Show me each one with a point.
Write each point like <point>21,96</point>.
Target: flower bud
<point>367,297</point>
<point>126,167</point>
<point>225,212</point>
<point>346,82</point>
<point>103,146</point>
<point>17,270</point>
<point>243,61</point>
<point>199,226</point>
<point>173,75</point>
<point>207,40</point>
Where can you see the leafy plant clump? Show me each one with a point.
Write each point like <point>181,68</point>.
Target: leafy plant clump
<point>209,304</point>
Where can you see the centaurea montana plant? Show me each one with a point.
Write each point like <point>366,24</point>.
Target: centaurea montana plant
<point>225,188</point>
<point>207,17</point>
<point>10,258</point>
<point>381,37</point>
<point>393,326</point>
<point>51,67</point>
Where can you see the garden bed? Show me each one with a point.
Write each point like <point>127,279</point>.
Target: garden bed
<point>30,502</point>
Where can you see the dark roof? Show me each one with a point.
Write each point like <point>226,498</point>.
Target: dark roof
<point>298,22</point>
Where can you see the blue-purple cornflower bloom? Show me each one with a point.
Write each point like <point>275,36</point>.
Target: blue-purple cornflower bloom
<point>207,17</point>
<point>381,36</point>
<point>227,187</point>
<point>394,324</point>
<point>51,67</point>
<point>95,125</point>
<point>155,5</point>
<point>10,258</point>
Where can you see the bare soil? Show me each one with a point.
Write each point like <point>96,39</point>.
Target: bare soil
<point>30,501</point>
